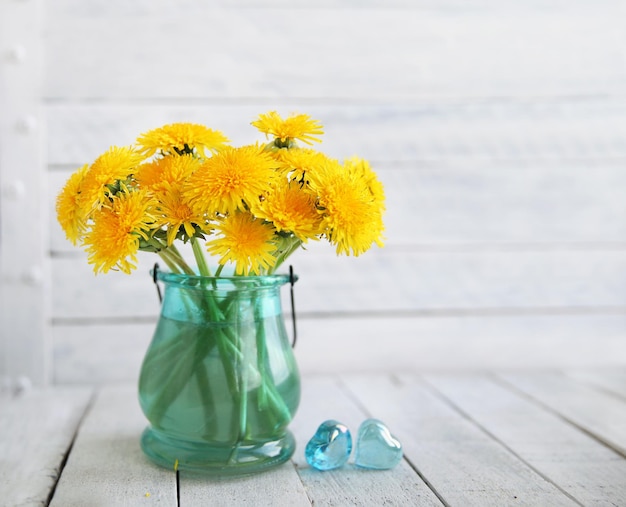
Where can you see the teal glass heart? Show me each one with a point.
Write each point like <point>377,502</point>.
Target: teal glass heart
<point>376,447</point>
<point>330,447</point>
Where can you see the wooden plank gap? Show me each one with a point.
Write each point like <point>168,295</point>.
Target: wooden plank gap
<point>107,465</point>
<point>293,462</point>
<point>66,456</point>
<point>396,381</point>
<point>606,443</point>
<point>603,389</point>
<point>507,246</point>
<point>504,311</point>
<point>54,167</point>
<point>428,102</point>
<point>441,396</point>
<point>325,398</point>
<point>376,314</point>
<point>259,101</point>
<point>66,254</point>
<point>466,466</point>
<point>177,487</point>
<point>104,321</point>
<point>430,486</point>
<point>604,380</point>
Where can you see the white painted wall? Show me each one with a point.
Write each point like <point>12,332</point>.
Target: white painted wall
<point>498,128</point>
<point>25,346</point>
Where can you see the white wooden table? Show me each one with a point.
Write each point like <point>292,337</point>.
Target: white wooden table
<point>540,438</point>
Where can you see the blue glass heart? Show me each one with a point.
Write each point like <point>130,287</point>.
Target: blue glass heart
<point>330,447</point>
<point>376,447</point>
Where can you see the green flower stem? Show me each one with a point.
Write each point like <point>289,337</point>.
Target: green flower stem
<point>263,391</point>
<point>261,349</point>
<point>187,359</point>
<point>267,390</point>
<point>232,355</point>
<point>238,367</point>
<point>204,386</point>
<point>292,245</point>
<point>175,255</point>
<point>169,263</point>
<point>243,413</point>
<point>173,252</point>
<point>276,399</point>
<point>173,379</point>
<point>190,359</point>
<point>171,256</point>
<point>229,369</point>
<point>223,341</point>
<point>218,271</point>
<point>240,375</point>
<point>267,387</point>
<point>200,258</point>
<point>172,248</point>
<point>179,261</point>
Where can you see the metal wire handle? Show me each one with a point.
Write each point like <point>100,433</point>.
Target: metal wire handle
<point>292,281</point>
<point>155,270</point>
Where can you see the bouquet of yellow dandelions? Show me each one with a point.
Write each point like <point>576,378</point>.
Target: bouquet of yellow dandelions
<point>213,373</point>
<point>251,206</point>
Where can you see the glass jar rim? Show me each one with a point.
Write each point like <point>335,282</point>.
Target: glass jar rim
<point>239,281</point>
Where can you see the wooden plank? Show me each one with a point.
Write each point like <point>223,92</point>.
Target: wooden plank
<point>458,129</point>
<point>428,52</point>
<point>610,379</point>
<point>279,486</point>
<point>482,205</point>
<point>106,465</point>
<point>600,414</point>
<point>398,280</point>
<point>463,465</point>
<point>576,463</point>
<point>37,429</point>
<point>104,294</point>
<point>325,398</point>
<point>24,290</point>
<point>99,353</point>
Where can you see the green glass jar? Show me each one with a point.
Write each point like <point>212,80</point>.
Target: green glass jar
<point>219,383</point>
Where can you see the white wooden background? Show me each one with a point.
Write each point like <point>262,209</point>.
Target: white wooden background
<point>497,127</point>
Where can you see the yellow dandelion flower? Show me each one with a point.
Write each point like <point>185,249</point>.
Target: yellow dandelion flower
<point>246,241</point>
<point>362,170</point>
<point>179,138</point>
<point>296,127</point>
<point>175,212</point>
<point>352,215</point>
<point>69,213</point>
<point>113,241</point>
<point>114,165</point>
<point>290,208</point>
<point>231,180</point>
<point>162,173</point>
<point>297,163</point>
